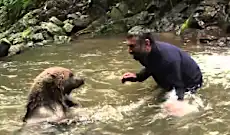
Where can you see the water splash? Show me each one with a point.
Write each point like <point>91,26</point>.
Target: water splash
<point>181,108</point>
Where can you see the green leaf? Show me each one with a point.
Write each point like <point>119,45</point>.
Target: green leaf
<point>26,3</point>
<point>185,25</point>
<point>26,32</point>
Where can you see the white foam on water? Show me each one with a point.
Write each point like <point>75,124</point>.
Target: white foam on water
<point>106,112</point>
<point>173,107</point>
<point>214,133</point>
<point>131,107</point>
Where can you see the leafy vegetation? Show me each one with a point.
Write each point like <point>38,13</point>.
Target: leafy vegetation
<point>185,25</point>
<point>15,9</point>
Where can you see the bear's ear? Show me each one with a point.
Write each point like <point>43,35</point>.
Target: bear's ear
<point>50,78</point>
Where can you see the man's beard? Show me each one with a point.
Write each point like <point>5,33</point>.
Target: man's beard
<point>140,56</point>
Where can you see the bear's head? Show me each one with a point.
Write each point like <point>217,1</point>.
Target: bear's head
<point>56,82</point>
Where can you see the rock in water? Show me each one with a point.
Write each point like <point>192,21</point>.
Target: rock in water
<point>4,47</point>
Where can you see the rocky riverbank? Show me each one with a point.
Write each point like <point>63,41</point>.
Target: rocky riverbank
<point>60,21</point>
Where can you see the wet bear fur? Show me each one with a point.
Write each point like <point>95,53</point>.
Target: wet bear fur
<point>48,99</point>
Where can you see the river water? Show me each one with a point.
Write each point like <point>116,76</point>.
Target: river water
<point>122,109</point>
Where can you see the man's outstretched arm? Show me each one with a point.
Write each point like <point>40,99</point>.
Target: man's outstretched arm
<point>143,75</point>
<point>136,77</point>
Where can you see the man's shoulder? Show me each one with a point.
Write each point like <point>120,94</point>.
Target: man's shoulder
<point>165,45</point>
<point>173,54</point>
<point>168,51</point>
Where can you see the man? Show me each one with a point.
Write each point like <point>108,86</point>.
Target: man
<point>169,66</point>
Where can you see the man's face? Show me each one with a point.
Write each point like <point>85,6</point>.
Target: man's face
<point>133,47</point>
<point>138,51</point>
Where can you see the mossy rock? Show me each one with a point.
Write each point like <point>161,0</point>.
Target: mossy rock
<point>52,28</point>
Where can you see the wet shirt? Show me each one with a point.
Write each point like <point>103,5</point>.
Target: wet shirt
<point>171,68</point>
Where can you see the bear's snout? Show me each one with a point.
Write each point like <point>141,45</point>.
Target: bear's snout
<point>80,81</point>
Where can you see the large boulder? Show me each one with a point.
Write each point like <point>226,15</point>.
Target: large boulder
<point>210,13</point>
<point>141,18</point>
<point>16,49</point>
<point>61,39</point>
<point>116,14</point>
<point>52,28</point>
<point>56,21</point>
<point>68,27</point>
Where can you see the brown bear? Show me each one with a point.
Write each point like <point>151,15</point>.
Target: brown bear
<point>48,99</point>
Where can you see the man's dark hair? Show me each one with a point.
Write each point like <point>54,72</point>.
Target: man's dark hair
<point>141,34</point>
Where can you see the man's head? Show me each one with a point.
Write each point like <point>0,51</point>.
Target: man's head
<point>139,42</point>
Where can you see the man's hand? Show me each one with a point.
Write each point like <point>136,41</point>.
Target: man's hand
<point>129,77</point>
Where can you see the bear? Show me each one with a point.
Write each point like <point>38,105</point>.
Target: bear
<point>48,100</point>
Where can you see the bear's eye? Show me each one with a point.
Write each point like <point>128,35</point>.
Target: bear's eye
<point>71,75</point>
